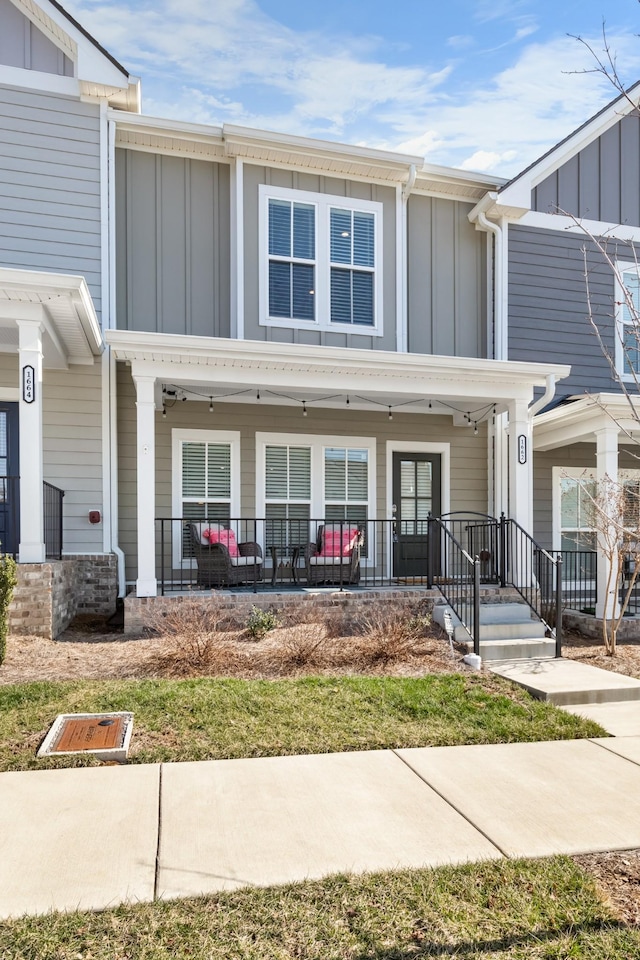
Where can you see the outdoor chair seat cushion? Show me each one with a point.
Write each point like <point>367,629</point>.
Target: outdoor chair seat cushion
<point>244,561</point>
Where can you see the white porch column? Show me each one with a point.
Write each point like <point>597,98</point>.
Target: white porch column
<point>521,465</point>
<point>32,548</point>
<point>606,470</point>
<point>146,584</point>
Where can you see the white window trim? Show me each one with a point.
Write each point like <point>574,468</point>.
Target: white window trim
<point>574,473</point>
<point>317,443</point>
<point>178,437</point>
<point>323,203</point>
<point>622,267</point>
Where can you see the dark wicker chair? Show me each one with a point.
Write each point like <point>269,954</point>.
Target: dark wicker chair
<point>340,569</point>
<point>216,566</point>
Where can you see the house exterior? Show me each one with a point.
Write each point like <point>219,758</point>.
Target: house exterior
<point>222,323</point>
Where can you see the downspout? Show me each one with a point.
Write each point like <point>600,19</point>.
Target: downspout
<point>113,407</point>
<point>547,396</point>
<point>403,270</point>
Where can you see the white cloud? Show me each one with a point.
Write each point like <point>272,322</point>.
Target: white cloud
<point>484,161</point>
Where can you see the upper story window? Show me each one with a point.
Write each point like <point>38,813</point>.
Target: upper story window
<point>320,261</point>
<point>628,317</point>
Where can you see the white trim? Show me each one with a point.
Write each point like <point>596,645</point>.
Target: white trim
<point>45,83</point>
<point>580,225</point>
<point>401,273</point>
<point>620,298</point>
<point>178,437</point>
<point>574,473</point>
<point>323,203</point>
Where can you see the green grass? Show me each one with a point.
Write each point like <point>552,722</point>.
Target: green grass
<point>209,719</point>
<point>505,909</point>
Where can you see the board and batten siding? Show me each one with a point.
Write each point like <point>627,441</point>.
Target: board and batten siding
<point>577,455</point>
<point>172,244</point>
<point>50,185</point>
<point>468,452</point>
<point>602,181</point>
<point>548,310</point>
<point>447,279</point>
<point>254,177</point>
<point>72,445</point>
<point>23,45</point>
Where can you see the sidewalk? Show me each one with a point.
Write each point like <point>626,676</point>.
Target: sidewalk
<point>95,837</point>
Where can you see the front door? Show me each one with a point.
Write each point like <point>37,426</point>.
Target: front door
<point>9,478</point>
<point>416,494</point>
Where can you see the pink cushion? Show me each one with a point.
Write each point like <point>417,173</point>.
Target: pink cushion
<point>225,537</point>
<point>337,544</point>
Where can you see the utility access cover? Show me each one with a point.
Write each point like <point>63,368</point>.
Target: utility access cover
<point>104,735</point>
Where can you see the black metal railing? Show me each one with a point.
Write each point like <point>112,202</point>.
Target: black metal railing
<point>579,579</point>
<point>53,521</point>
<point>9,515</point>
<point>457,574</point>
<point>535,573</point>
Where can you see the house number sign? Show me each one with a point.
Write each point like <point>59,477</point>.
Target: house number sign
<point>28,384</point>
<point>522,448</point>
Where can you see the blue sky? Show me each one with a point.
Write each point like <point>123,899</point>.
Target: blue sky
<point>485,85</point>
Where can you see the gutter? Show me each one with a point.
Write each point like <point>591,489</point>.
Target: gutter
<point>478,216</point>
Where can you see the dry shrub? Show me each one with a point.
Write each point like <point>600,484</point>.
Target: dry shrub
<point>390,633</point>
<point>298,646</point>
<point>197,638</point>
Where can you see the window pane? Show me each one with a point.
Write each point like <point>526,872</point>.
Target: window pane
<point>341,236</point>
<point>631,348</point>
<point>568,503</point>
<point>363,239</point>
<point>304,231</point>
<point>279,289</point>
<point>276,480</point>
<point>358,486</point>
<point>407,478</point>
<point>303,291</point>
<point>193,469</point>
<point>335,474</point>
<point>340,296</point>
<point>280,228</point>
<point>362,297</point>
<point>219,470</point>
<point>423,472</point>
<point>300,473</point>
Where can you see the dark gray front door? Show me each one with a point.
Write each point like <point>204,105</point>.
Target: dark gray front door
<point>416,494</point>
<point>9,474</point>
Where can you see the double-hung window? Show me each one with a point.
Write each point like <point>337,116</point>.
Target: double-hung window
<point>320,261</point>
<point>628,316</point>
<point>287,495</point>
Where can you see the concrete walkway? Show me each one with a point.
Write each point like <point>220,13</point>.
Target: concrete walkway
<point>96,837</point>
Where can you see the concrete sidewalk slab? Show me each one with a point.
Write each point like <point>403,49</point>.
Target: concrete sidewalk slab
<point>229,823</point>
<point>83,838</point>
<point>628,747</point>
<point>539,799</point>
<point>620,719</point>
<point>569,682</point>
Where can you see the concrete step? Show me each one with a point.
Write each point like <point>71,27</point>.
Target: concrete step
<point>566,682</point>
<point>505,612</point>
<point>541,648</point>
<point>515,623</point>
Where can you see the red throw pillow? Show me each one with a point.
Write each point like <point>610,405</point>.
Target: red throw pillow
<point>225,537</point>
<point>337,544</point>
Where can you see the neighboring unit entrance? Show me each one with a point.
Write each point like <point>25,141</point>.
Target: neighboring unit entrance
<point>9,478</point>
<point>416,494</point>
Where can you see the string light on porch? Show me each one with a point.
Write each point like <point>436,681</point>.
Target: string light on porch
<point>210,404</point>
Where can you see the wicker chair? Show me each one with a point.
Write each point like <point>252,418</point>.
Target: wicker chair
<point>216,566</point>
<point>343,568</point>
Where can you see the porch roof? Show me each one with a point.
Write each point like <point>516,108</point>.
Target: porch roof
<point>62,303</point>
<point>218,363</point>
<point>581,417</point>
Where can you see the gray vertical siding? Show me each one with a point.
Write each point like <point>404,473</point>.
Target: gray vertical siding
<point>447,297</point>
<point>23,45</point>
<point>601,182</point>
<point>50,185</point>
<point>172,228</point>
<point>254,176</point>
<point>548,310</point>
<point>468,452</point>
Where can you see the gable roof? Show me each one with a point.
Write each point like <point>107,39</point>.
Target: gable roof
<point>91,39</point>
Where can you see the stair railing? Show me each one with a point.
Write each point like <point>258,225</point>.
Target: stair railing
<point>457,575</point>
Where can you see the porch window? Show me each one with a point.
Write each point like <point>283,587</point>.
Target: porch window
<point>577,527</point>
<point>287,495</point>
<point>628,300</point>
<point>206,484</point>
<point>320,261</point>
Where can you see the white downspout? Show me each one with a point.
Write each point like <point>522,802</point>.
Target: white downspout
<point>547,396</point>
<point>402,271</point>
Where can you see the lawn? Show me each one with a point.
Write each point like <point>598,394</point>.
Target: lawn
<point>206,718</point>
<point>517,909</point>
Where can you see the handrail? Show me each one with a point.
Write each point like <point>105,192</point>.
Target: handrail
<point>458,577</point>
<point>535,574</point>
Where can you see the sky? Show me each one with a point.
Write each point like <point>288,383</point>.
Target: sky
<point>484,85</point>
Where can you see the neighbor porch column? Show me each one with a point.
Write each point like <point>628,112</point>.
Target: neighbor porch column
<point>521,465</point>
<point>146,584</point>
<point>606,475</point>
<point>32,547</point>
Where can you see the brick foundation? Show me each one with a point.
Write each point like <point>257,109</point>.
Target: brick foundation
<point>590,626</point>
<point>49,595</point>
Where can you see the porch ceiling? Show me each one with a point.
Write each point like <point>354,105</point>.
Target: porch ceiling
<point>309,372</point>
<point>62,303</point>
<point>578,420</point>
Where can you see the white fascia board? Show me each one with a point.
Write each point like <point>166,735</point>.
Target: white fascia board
<point>519,192</point>
<point>251,361</point>
<point>36,80</point>
<point>577,421</point>
<point>202,132</point>
<point>581,226</point>
<point>438,171</point>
